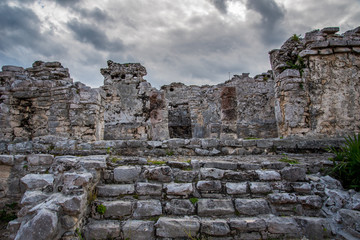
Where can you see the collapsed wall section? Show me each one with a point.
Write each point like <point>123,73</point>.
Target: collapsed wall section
<point>317,87</point>
<point>43,101</point>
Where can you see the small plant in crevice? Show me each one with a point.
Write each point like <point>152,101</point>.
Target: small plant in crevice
<point>101,209</point>
<point>78,234</point>
<point>301,85</point>
<point>297,64</point>
<point>169,152</point>
<point>194,200</point>
<point>295,37</point>
<point>347,162</point>
<point>286,159</point>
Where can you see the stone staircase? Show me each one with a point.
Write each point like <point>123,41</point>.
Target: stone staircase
<point>249,197</point>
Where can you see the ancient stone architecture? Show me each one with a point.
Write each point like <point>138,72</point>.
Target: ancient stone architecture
<point>244,159</point>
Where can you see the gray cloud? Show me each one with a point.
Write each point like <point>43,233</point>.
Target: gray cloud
<point>271,16</point>
<point>68,3</point>
<point>95,14</point>
<point>88,33</point>
<point>220,5</point>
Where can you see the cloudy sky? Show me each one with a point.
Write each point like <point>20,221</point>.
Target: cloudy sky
<point>189,41</point>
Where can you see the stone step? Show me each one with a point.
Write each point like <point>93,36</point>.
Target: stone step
<point>281,204</point>
<point>265,226</point>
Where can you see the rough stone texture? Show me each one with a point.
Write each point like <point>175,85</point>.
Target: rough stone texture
<point>177,228</point>
<point>209,185</point>
<point>36,181</point>
<point>162,174</point>
<point>180,189</point>
<point>139,230</point>
<point>147,208</point>
<point>268,175</point>
<point>180,207</point>
<point>148,188</point>
<point>321,100</point>
<point>102,230</point>
<point>252,207</point>
<point>126,173</point>
<point>116,209</point>
<point>115,190</point>
<point>44,223</point>
<point>283,225</point>
<point>215,207</point>
<point>236,188</point>
<point>248,224</point>
<point>293,174</point>
<point>215,227</point>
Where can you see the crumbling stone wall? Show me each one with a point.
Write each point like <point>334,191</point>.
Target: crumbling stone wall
<point>43,100</point>
<point>317,84</point>
<point>239,108</point>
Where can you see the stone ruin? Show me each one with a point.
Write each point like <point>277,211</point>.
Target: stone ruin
<point>183,162</point>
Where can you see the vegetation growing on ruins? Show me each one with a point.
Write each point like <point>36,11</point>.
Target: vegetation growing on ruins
<point>101,209</point>
<point>347,162</point>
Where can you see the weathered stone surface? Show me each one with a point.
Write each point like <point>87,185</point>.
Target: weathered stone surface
<point>177,227</point>
<point>115,190</point>
<point>126,173</point>
<point>211,173</point>
<point>225,165</point>
<point>42,226</point>
<point>283,225</point>
<point>93,162</point>
<point>179,189</point>
<point>268,175</point>
<point>215,227</point>
<point>313,201</point>
<point>215,207</point>
<point>293,174</point>
<point>154,189</point>
<point>102,229</point>
<point>37,181</point>
<point>7,160</point>
<point>180,207</point>
<point>280,198</point>
<point>252,207</point>
<point>214,185</point>
<point>248,224</point>
<point>260,187</point>
<point>302,187</point>
<point>33,197</point>
<point>162,174</point>
<point>40,159</point>
<point>77,179</point>
<point>73,205</point>
<point>139,230</point>
<point>147,208</point>
<point>236,188</point>
<point>315,228</point>
<point>116,209</point>
<point>351,220</point>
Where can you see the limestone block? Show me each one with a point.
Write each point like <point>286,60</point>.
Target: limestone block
<point>74,205</point>
<point>313,201</point>
<point>93,162</point>
<point>126,173</point>
<point>77,179</point>
<point>307,52</point>
<point>115,190</point>
<point>154,189</point>
<point>336,198</point>
<point>139,230</point>
<point>216,227</point>
<point>180,207</point>
<point>147,208</point>
<point>293,174</point>
<point>283,225</point>
<point>179,189</point>
<point>236,188</point>
<point>209,143</point>
<point>212,173</point>
<point>177,227</point>
<point>215,207</point>
<point>117,209</point>
<point>355,202</point>
<point>68,221</point>
<point>37,181</point>
<point>185,176</point>
<point>226,165</point>
<point>7,160</point>
<point>248,224</point>
<point>326,51</point>
<point>337,42</point>
<point>214,185</point>
<point>41,227</point>
<point>351,219</point>
<point>33,197</point>
<point>105,229</point>
<point>161,174</point>
<point>342,50</point>
<point>268,175</point>
<point>302,187</point>
<point>281,198</point>
<point>252,207</point>
<point>356,49</point>
<point>40,159</point>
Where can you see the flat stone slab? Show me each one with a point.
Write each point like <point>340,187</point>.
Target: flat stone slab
<point>215,207</point>
<point>126,173</point>
<point>252,207</point>
<point>139,230</point>
<point>115,190</point>
<point>177,227</point>
<point>37,181</point>
<point>104,229</point>
<point>116,209</point>
<point>147,208</point>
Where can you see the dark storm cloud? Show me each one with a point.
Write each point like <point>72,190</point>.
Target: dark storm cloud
<point>271,16</point>
<point>220,5</point>
<point>88,33</point>
<point>19,26</point>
